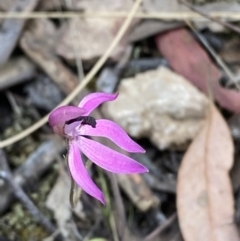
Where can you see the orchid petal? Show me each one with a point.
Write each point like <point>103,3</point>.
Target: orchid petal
<point>80,174</point>
<point>109,129</point>
<point>92,101</point>
<point>63,114</point>
<point>109,159</point>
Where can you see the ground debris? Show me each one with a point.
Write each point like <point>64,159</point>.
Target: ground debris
<point>72,46</point>
<point>204,188</point>
<point>19,224</point>
<point>151,69</point>
<point>38,42</point>
<point>58,202</point>
<point>16,71</point>
<point>43,93</point>
<point>138,191</point>
<point>170,112</point>
<point>33,167</point>
<point>11,29</point>
<point>196,67</point>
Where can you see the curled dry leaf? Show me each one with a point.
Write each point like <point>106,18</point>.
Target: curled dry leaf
<point>204,193</point>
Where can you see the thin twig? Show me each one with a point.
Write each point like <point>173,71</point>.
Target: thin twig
<point>233,16</point>
<point>93,229</point>
<point>83,83</point>
<point>33,167</point>
<point>213,18</point>
<point>162,227</point>
<point>13,103</point>
<point>28,204</point>
<point>215,56</point>
<point>6,175</point>
<point>76,34</point>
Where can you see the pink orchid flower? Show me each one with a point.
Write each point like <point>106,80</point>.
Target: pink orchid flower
<point>77,126</point>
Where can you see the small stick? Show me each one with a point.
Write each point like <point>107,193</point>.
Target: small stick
<point>228,25</point>
<point>160,228</point>
<point>170,16</point>
<point>34,166</point>
<point>6,175</point>
<point>215,56</point>
<point>29,205</point>
<point>16,109</point>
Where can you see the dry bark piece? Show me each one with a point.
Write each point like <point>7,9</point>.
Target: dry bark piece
<point>11,29</point>
<point>138,191</point>
<point>38,43</point>
<point>204,194</point>
<point>170,112</point>
<point>16,71</point>
<point>196,66</point>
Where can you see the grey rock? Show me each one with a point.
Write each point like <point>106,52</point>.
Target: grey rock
<point>160,105</point>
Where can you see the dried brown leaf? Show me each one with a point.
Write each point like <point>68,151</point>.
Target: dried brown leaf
<point>188,58</point>
<point>89,38</point>
<point>204,193</point>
